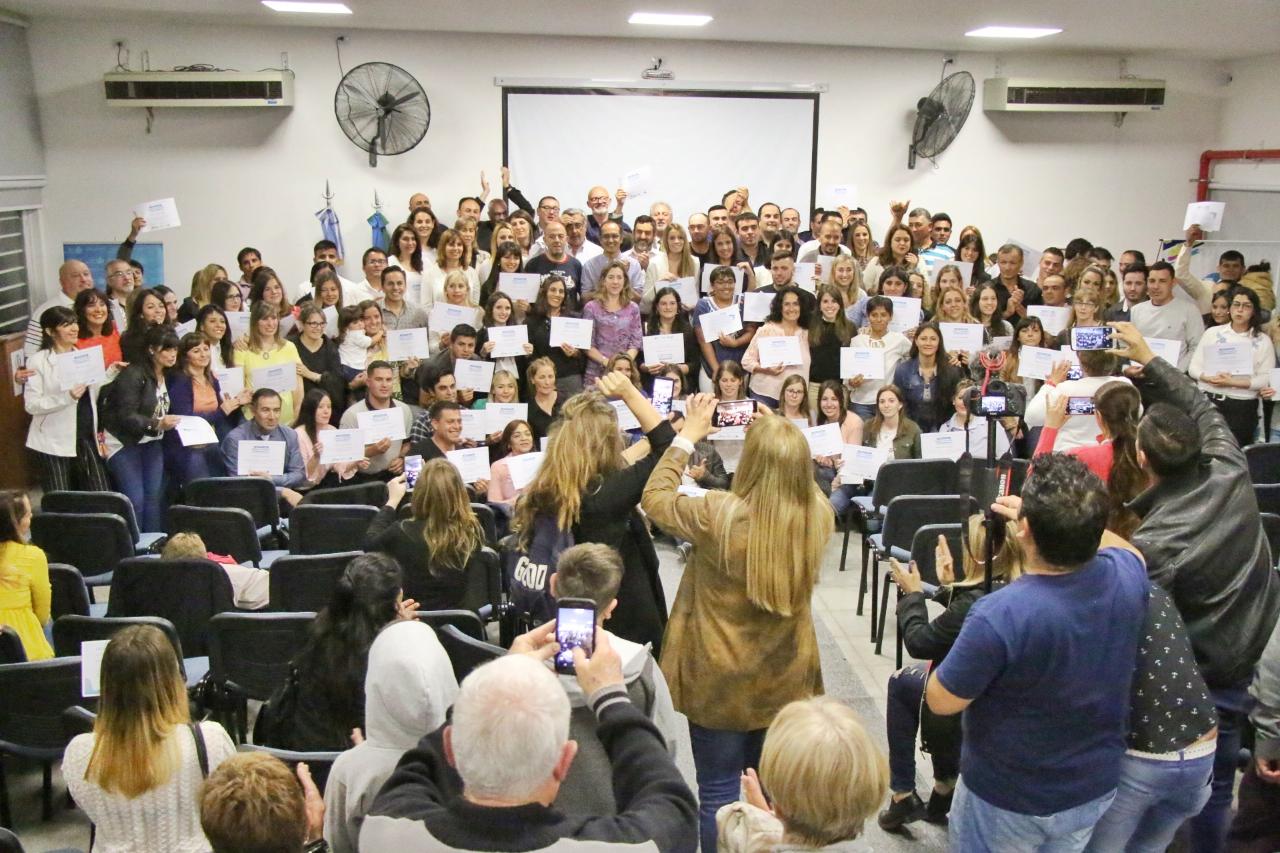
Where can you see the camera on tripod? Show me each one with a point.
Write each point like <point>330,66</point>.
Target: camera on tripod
<point>998,399</point>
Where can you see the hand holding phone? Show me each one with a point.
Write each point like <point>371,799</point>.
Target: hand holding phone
<point>664,391</point>
<point>733,413</point>
<point>575,629</point>
<point>412,467</point>
<point>1092,338</point>
<point>1080,406</point>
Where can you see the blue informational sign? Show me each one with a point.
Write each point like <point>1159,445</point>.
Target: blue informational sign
<point>96,255</point>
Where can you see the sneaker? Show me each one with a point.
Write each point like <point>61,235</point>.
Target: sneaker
<point>938,808</point>
<point>902,812</point>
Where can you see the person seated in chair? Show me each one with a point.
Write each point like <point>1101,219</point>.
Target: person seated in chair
<point>249,586</point>
<point>265,426</point>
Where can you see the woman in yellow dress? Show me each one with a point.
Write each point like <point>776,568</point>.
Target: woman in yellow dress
<point>24,577</point>
<point>266,348</point>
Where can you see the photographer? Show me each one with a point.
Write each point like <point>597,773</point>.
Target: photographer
<point>1098,367</point>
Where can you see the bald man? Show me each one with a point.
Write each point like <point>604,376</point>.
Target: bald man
<point>598,214</point>
<point>73,277</point>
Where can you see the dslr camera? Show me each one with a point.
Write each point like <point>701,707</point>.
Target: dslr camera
<point>998,400</point>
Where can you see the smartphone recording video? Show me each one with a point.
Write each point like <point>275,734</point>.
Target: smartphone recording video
<point>664,391</point>
<point>1080,406</point>
<point>733,413</point>
<point>412,467</point>
<point>1092,338</point>
<point>575,629</point>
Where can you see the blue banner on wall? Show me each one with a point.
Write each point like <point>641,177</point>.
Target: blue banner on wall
<point>96,255</point>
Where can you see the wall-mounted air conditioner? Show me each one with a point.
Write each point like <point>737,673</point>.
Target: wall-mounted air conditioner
<point>199,88</point>
<point>1024,94</point>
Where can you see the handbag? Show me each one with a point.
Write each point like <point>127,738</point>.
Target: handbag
<point>276,719</point>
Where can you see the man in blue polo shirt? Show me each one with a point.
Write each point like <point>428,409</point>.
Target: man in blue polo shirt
<point>1042,670</point>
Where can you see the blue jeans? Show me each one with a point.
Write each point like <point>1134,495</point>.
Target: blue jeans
<point>863,410</point>
<point>842,498</point>
<point>977,825</point>
<point>1153,800</point>
<point>719,758</point>
<point>1209,828</point>
<point>138,470</point>
<point>902,721</point>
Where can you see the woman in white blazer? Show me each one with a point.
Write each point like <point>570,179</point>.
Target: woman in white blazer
<point>64,423</point>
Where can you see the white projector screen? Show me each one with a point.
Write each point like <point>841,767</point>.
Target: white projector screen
<point>693,145</point>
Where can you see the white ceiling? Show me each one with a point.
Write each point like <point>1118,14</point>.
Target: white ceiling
<point>1226,29</point>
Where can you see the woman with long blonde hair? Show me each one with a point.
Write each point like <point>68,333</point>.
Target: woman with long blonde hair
<point>138,774</point>
<point>741,642</point>
<point>201,291</point>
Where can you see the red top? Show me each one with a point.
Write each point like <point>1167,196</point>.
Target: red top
<point>110,347</point>
<point>1098,457</point>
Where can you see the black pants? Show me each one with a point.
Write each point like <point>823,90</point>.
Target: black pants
<point>1241,417</point>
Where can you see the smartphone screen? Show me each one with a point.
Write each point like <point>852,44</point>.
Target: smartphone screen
<point>412,466</point>
<point>575,628</point>
<point>1075,371</point>
<point>1079,405</point>
<point>664,390</point>
<point>1091,338</point>
<point>733,413</point>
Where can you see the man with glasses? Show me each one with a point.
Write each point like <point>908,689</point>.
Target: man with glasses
<point>598,204</point>
<point>374,262</point>
<point>120,283</point>
<point>575,227</point>
<point>611,245</point>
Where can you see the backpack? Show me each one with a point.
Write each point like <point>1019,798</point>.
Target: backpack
<point>528,572</point>
<point>275,722</point>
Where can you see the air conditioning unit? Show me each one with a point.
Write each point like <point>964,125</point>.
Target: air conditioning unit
<point>1028,95</point>
<point>199,88</point>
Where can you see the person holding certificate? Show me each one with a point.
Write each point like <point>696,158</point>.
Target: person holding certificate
<point>567,359</point>
<point>833,410</point>
<point>1232,364</point>
<point>266,348</point>
<point>769,363</point>
<point>670,318</point>
<point>927,379</point>
<point>446,436</point>
<point>890,428</point>
<point>64,421</point>
<point>265,426</point>
<point>316,419</point>
<point>878,336</point>
<point>727,346</point>
<point>516,440</point>
<point>195,392</point>
<point>615,321</point>
<point>829,332</point>
<point>97,326</point>
<point>319,363</point>
<point>499,313</point>
<point>666,267</point>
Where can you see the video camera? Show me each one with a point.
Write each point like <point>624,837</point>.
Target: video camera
<point>997,399</point>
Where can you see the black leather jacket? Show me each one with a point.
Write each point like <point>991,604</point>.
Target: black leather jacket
<point>1202,538</point>
<point>130,413</point>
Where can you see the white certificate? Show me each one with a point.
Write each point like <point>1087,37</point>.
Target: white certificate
<point>961,337</point>
<point>160,214</point>
<point>444,317</point>
<point>626,420</point>
<point>1030,260</point>
<point>277,377</point>
<point>498,415</point>
<point>266,457</point>
<point>341,445</point>
<point>508,341</point>
<point>663,349</point>
<point>779,351</point>
<point>708,268</point>
<point>79,367</point>
<point>404,344</point>
<point>523,467</point>
<point>1167,348</point>
<point>1053,318</point>
<point>195,431</point>
<point>1232,359</point>
<point>858,361</point>
<point>91,652</point>
<point>184,328</point>
<point>965,267</point>
<point>330,321</point>
<point>755,306</point>
<point>637,181</point>
<point>805,275</point>
<point>569,330</point>
<point>733,433</point>
<point>906,313</point>
<point>824,440</point>
<point>472,463</point>
<point>287,322</point>
<point>1275,378</point>
<point>724,321</point>
<point>1002,343</point>
<point>473,375</point>
<point>843,195</point>
<point>382,423</point>
<point>238,324</point>
<point>861,463</point>
<point>520,285</point>
<point>687,287</point>
<point>230,380</point>
<point>1206,214</point>
<point>475,424</point>
<point>941,445</point>
<point>1037,362</point>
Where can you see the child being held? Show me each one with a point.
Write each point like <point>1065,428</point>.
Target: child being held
<point>353,343</point>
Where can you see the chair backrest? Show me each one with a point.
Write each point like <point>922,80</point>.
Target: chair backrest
<point>319,763</point>
<point>9,842</point>
<point>488,523</point>
<point>1268,498</point>
<point>254,495</point>
<point>328,528</point>
<point>11,648</point>
<point>78,720</point>
<point>186,592</point>
<point>465,621</point>
<point>302,583</point>
<point>35,695</point>
<point>1264,463</point>
<point>70,595</point>
<point>225,530</point>
<point>70,631</point>
<point>923,546</point>
<point>484,581</point>
<point>913,477</point>
<point>93,542</point>
<point>250,652</point>
<point>908,513</point>
<point>466,653</point>
<point>1271,528</point>
<point>111,502</point>
<point>372,494</point>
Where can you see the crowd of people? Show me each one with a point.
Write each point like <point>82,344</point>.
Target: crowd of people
<point>1104,664</point>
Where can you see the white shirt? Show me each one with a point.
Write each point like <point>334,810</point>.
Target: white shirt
<point>1264,359</point>
<point>896,347</point>
<point>432,288</point>
<point>1079,430</point>
<point>1177,319</point>
<point>812,246</point>
<point>592,269</point>
<point>305,289</point>
<point>355,292</point>
<point>585,252</point>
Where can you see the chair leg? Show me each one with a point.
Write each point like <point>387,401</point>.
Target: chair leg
<point>862,582</point>
<point>884,611</point>
<point>898,635</point>
<point>844,547</point>
<point>6,818</point>
<point>46,792</point>
<point>875,591</point>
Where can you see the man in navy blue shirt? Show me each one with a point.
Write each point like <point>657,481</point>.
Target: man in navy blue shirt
<point>1042,670</point>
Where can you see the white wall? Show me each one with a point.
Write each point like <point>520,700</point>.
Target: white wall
<point>21,151</point>
<point>256,176</point>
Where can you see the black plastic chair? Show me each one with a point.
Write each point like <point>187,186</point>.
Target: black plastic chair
<point>11,648</point>
<point>225,530</point>
<point>319,763</point>
<point>9,842</point>
<point>186,592</point>
<point>70,631</point>
<point>1268,496</point>
<point>305,582</point>
<point>111,502</point>
<point>70,594</point>
<point>465,621</point>
<point>328,528</point>
<point>923,546</point>
<point>78,720</point>
<point>249,655</point>
<point>466,653</point>
<point>93,542</point>
<point>32,698</point>
<point>255,495</point>
<point>372,494</point>
<point>484,584</point>
<point>904,516</point>
<point>1271,527</point>
<point>1264,463</point>
<point>488,523</point>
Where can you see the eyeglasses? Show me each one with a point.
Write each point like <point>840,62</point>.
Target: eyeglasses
<point>120,274</point>
<point>314,324</point>
<point>548,207</point>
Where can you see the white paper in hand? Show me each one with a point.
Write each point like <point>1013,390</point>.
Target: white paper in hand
<point>861,463</point>
<point>906,313</point>
<point>755,306</point>
<point>265,457</point>
<point>508,341</point>
<point>404,344</point>
<point>961,337</point>
<point>572,331</point>
<point>1167,348</point>
<point>91,652</point>
<point>1053,318</point>
<point>1231,359</point>
<point>520,285</point>
<point>160,214</point>
<point>382,423</point>
<point>472,463</point>
<point>523,468</point>
<point>941,445</point>
<point>859,361</point>
<point>278,377</point>
<point>1206,214</point>
<point>1036,362</point>
<point>824,440</point>
<point>498,415</point>
<point>195,432</point>
<point>723,321</point>
<point>687,287</point>
<point>475,424</point>
<point>473,375</point>
<point>626,420</point>
<point>80,367</point>
<point>782,350</point>
<point>663,349</point>
<point>341,445</point>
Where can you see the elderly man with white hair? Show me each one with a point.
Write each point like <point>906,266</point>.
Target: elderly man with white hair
<point>509,745</point>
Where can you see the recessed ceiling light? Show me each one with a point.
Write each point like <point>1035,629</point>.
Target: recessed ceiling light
<point>315,8</point>
<point>998,32</point>
<point>668,19</point>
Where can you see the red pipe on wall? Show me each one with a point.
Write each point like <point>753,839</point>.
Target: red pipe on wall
<point>1208,158</point>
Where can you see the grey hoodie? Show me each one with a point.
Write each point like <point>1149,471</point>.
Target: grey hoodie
<point>408,688</point>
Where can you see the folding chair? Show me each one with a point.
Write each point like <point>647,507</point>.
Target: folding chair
<point>111,502</point>
<point>372,494</point>
<point>34,696</point>
<point>465,621</point>
<point>1264,463</point>
<point>1271,527</point>
<point>249,655</point>
<point>70,631</point>
<point>466,653</point>
<point>255,495</point>
<point>70,595</point>
<point>484,584</point>
<point>306,582</point>
<point>186,592</point>
<point>488,523</point>
<point>319,763</point>
<point>93,542</point>
<point>328,528</point>
<point>923,545</point>
<point>225,530</point>
<point>1268,497</point>
<point>11,648</point>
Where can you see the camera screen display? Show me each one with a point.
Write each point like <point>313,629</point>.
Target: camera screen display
<point>734,413</point>
<point>1091,338</point>
<point>993,405</point>
<point>1079,405</point>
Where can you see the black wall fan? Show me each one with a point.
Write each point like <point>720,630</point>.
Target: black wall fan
<point>940,115</point>
<point>382,109</point>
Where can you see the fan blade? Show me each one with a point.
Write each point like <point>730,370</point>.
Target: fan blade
<point>398,101</point>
